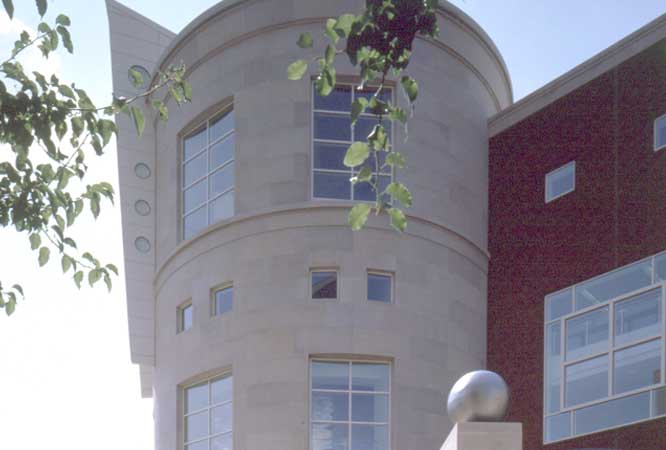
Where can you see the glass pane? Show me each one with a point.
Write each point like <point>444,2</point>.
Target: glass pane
<point>587,334</point>
<point>330,375</point>
<point>370,377</point>
<point>194,223</point>
<point>196,398</point>
<point>637,367</point>
<point>364,192</point>
<point>660,132</point>
<point>365,125</point>
<point>324,285</point>
<point>335,127</point>
<point>370,407</point>
<point>339,100</point>
<point>221,390</point>
<point>379,287</point>
<point>330,156</point>
<point>224,442</point>
<point>186,318</point>
<point>638,317</point>
<point>222,180</point>
<point>194,169</point>
<point>221,419</point>
<point>612,414</point>
<point>196,426</point>
<point>558,427</point>
<point>370,163</point>
<point>224,300</point>
<point>195,196</point>
<point>201,445</point>
<point>332,185</point>
<point>560,181</point>
<point>328,436</point>
<point>369,437</point>
<point>222,207</point>
<point>614,284</point>
<point>558,305</point>
<point>221,126</point>
<point>194,143</point>
<point>222,152</point>
<point>586,381</point>
<point>553,361</point>
<point>660,268</point>
<point>330,406</point>
<point>658,402</point>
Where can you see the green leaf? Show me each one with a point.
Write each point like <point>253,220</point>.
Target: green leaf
<point>364,175</point>
<point>399,192</point>
<point>106,129</point>
<point>378,137</point>
<point>107,281</point>
<point>330,30</point>
<point>395,159</point>
<point>66,263</point>
<point>94,276</point>
<point>35,241</point>
<point>187,91</point>
<point>356,155</point>
<point>19,289</point>
<point>305,40</point>
<point>139,121</point>
<point>358,216</point>
<point>78,278</point>
<point>344,24</point>
<point>66,38</point>
<point>41,7</point>
<point>330,54</point>
<point>9,8</point>
<point>63,20</point>
<point>136,77</point>
<point>411,88</point>
<point>358,107</point>
<point>10,306</point>
<point>398,114</point>
<point>77,126</point>
<point>326,81</point>
<point>112,268</point>
<point>297,69</point>
<point>44,254</point>
<point>398,219</point>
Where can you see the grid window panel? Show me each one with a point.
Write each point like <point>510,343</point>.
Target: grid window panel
<point>332,134</point>
<point>380,287</point>
<point>224,300</point>
<point>324,284</point>
<point>350,405</point>
<point>604,347</point>
<point>185,317</point>
<point>660,133</point>
<point>560,181</point>
<point>208,174</point>
<point>208,415</point>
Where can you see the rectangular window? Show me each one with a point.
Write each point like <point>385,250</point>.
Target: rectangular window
<point>380,287</point>
<point>333,133</point>
<point>604,346</point>
<point>561,181</point>
<point>223,300</point>
<point>660,133</point>
<point>185,318</point>
<point>349,405</point>
<point>208,174</point>
<point>208,418</point>
<point>324,284</point>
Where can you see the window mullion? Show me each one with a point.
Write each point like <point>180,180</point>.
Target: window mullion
<point>611,344</point>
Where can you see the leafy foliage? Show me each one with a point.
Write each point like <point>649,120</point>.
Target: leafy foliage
<point>379,43</point>
<point>51,128</point>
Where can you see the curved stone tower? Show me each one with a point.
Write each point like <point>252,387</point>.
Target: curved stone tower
<point>259,365</point>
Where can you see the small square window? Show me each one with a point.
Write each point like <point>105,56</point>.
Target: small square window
<point>223,301</point>
<point>561,181</point>
<point>185,317</point>
<point>324,284</point>
<point>660,133</point>
<point>380,287</point>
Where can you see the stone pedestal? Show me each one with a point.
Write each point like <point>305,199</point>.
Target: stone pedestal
<point>485,436</point>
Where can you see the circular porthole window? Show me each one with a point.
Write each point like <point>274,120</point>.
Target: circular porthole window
<point>142,207</point>
<point>142,171</point>
<point>142,244</point>
<point>136,71</point>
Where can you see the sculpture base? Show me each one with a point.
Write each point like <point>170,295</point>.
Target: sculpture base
<point>485,436</point>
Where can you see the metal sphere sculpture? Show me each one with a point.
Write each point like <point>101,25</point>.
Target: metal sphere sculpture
<point>480,396</point>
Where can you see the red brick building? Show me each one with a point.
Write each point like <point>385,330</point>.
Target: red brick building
<point>577,238</point>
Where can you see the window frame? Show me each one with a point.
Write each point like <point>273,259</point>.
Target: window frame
<point>324,269</point>
<point>209,117</point>
<point>350,361</point>
<point>381,273</point>
<point>554,172</point>
<point>351,172</point>
<point>208,380</point>
<point>213,298</point>
<point>180,316</point>
<point>611,349</point>
<point>655,145</point>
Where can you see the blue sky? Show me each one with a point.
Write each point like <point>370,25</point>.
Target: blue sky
<point>65,376</point>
